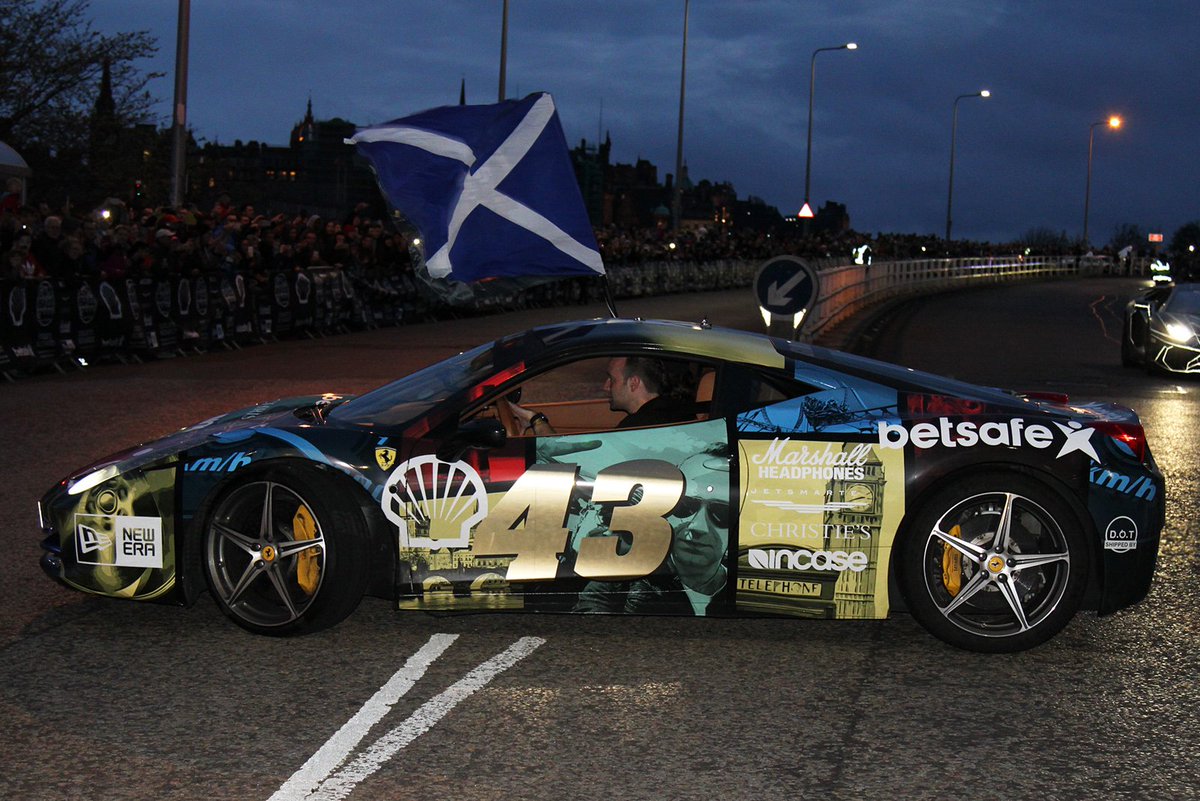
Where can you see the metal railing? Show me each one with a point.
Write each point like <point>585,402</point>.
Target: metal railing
<point>849,289</point>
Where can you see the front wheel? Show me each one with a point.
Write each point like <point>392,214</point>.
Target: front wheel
<point>1129,357</point>
<point>994,563</point>
<point>285,554</point>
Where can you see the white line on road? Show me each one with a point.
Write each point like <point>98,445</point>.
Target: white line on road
<point>338,747</point>
<point>341,784</point>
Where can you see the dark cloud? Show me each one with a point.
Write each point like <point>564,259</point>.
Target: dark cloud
<point>882,113</point>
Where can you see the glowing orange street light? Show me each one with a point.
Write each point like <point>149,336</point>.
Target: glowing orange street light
<point>1113,122</point>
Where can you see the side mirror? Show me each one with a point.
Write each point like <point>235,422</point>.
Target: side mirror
<point>483,433</point>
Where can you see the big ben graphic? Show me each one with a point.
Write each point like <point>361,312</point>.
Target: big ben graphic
<point>857,527</point>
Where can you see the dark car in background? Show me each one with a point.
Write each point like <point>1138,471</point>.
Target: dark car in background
<point>1162,329</point>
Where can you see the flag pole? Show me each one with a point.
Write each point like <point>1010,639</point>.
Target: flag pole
<point>608,298</point>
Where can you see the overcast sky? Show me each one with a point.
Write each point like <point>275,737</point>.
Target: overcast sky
<point>883,113</point>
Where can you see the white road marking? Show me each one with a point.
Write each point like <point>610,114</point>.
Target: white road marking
<point>338,747</point>
<point>341,784</point>
<point>314,780</point>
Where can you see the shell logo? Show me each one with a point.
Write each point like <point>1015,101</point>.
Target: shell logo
<point>433,503</point>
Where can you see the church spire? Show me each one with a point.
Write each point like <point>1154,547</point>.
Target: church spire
<point>105,105</point>
<point>306,129</point>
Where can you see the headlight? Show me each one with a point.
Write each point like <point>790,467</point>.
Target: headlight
<point>1179,332</point>
<point>93,479</point>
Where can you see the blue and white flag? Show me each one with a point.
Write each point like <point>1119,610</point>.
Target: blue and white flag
<point>490,188</point>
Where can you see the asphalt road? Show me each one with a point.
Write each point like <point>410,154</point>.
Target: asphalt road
<point>104,699</point>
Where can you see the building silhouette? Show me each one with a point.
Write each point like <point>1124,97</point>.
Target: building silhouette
<point>315,173</point>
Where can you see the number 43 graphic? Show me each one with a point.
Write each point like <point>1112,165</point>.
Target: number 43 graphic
<point>540,500</point>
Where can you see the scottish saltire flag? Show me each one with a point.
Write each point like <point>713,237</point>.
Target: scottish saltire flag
<point>490,188</point>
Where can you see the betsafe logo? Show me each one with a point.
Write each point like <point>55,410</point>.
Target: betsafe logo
<point>969,433</point>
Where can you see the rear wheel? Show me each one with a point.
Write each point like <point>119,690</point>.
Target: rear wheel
<point>285,554</point>
<point>995,563</point>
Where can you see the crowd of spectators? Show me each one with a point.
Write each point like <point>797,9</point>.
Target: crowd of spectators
<point>706,243</point>
<point>116,242</point>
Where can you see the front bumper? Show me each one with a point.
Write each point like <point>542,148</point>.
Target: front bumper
<point>1173,357</point>
<point>115,538</point>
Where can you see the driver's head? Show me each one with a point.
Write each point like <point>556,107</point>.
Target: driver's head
<point>630,381</point>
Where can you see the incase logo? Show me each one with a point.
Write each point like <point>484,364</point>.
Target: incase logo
<point>968,433</point>
<point>804,559</point>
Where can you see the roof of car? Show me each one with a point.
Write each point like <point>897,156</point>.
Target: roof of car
<point>696,339</point>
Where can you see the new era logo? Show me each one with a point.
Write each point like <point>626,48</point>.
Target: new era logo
<point>91,540</point>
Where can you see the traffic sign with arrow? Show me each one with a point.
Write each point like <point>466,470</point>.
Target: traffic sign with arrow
<point>785,286</point>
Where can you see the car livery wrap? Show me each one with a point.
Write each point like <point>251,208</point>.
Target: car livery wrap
<point>807,485</point>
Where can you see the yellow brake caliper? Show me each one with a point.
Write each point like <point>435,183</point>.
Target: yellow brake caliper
<point>952,564</point>
<point>308,568</point>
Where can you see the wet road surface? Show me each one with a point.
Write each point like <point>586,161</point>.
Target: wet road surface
<point>104,699</point>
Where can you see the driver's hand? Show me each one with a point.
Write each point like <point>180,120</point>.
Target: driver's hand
<point>519,413</point>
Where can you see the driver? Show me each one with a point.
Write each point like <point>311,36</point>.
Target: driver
<point>643,388</point>
<point>650,391</point>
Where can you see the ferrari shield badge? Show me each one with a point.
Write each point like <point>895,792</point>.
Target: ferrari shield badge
<point>385,457</point>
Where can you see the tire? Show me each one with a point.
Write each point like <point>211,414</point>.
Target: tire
<point>285,553</point>
<point>1152,367</point>
<point>1128,356</point>
<point>995,563</point>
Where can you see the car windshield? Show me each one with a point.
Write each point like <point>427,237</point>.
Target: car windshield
<point>406,398</point>
<point>1184,302</point>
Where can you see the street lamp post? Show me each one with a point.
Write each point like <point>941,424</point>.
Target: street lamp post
<point>677,194</point>
<point>503,49</point>
<point>179,117</point>
<point>1113,122</point>
<point>812,80</point>
<point>953,136</point>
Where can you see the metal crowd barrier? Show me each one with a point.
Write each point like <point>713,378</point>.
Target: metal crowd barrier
<point>52,324</point>
<point>48,324</point>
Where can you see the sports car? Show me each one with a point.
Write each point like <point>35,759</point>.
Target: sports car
<point>1162,329</point>
<point>791,481</point>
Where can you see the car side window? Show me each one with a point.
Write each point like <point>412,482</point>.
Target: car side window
<point>576,397</point>
<point>572,397</point>
<point>743,388</point>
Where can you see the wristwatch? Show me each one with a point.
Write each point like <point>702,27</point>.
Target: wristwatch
<point>538,418</point>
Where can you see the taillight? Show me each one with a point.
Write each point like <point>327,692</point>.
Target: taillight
<point>1049,397</point>
<point>1130,436</point>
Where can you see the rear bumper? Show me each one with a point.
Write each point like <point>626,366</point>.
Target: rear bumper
<point>1127,564</point>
